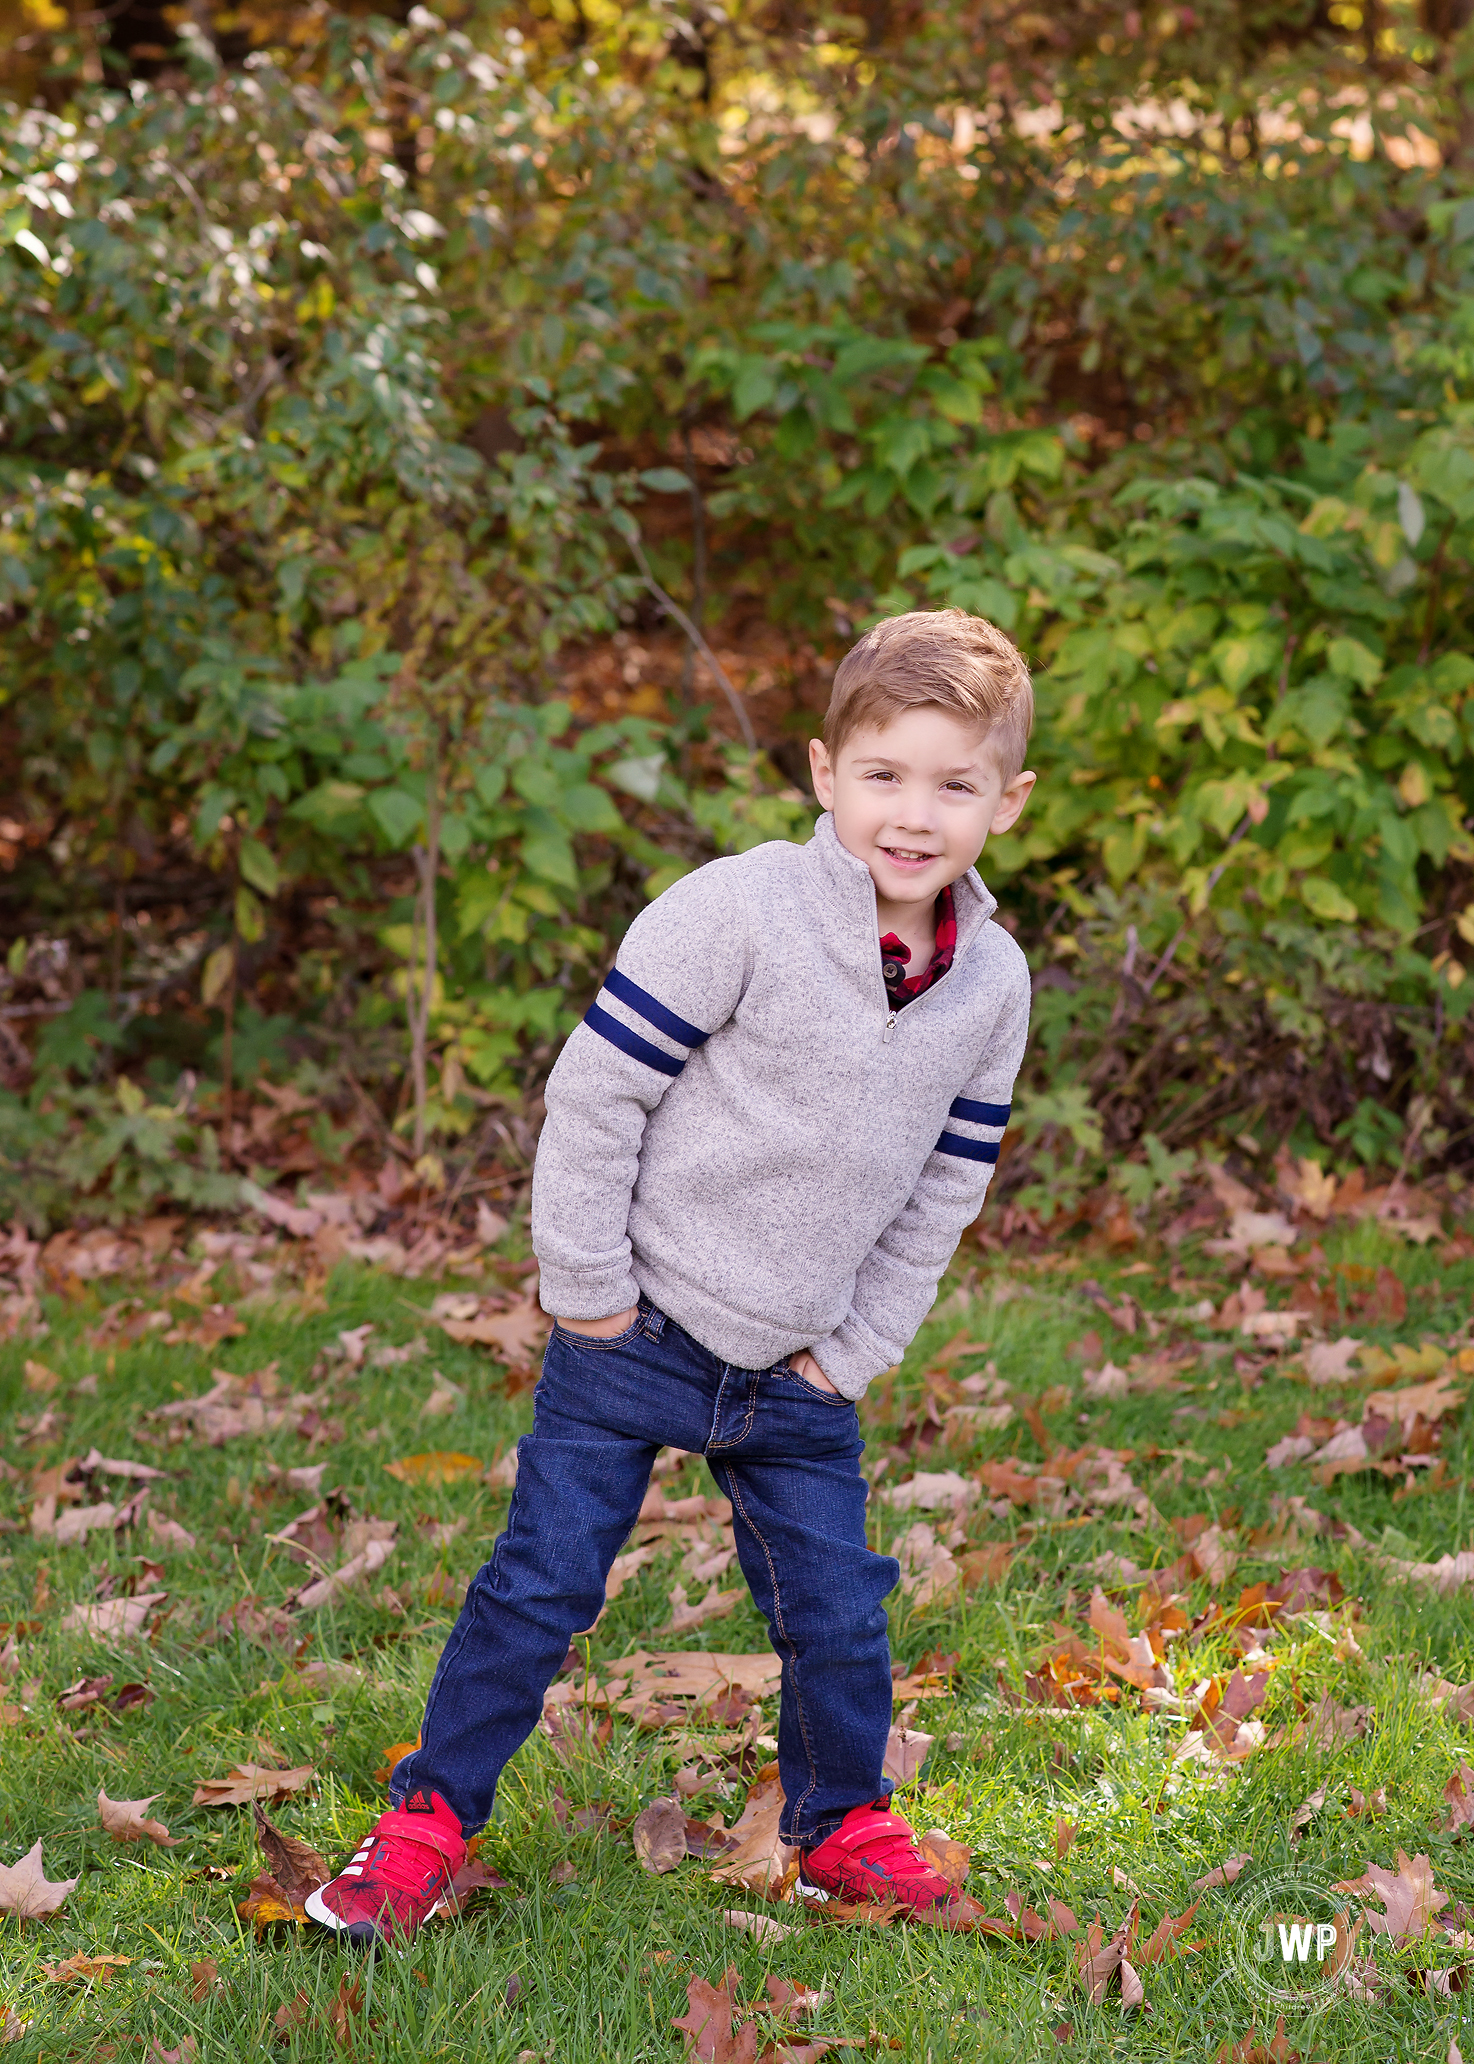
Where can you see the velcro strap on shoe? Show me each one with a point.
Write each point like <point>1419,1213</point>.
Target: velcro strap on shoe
<point>428,1836</point>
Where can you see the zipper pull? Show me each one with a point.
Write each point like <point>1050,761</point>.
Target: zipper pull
<point>890,1027</point>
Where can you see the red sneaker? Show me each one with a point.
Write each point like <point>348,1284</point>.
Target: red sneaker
<point>872,1857</point>
<point>400,1874</point>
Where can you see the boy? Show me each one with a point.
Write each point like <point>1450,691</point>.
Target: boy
<point>762,1146</point>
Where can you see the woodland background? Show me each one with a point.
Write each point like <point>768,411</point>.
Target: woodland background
<point>443,457</point>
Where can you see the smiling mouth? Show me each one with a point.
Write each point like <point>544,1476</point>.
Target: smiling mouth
<point>905,853</point>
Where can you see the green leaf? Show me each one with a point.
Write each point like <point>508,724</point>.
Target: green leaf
<point>258,865</point>
<point>754,388</point>
<point>547,851</point>
<point>665,480</point>
<point>1353,661</point>
<point>1324,900</point>
<point>398,814</point>
<point>250,918</point>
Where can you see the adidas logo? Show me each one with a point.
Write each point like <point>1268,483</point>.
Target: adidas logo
<point>419,1801</point>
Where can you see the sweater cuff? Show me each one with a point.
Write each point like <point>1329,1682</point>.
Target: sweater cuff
<point>849,1362</point>
<point>581,1294</point>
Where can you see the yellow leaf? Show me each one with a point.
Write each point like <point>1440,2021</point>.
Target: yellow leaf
<point>392,1755</point>
<point>436,1468</point>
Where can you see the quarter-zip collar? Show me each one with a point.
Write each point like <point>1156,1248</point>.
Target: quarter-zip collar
<point>846,880</point>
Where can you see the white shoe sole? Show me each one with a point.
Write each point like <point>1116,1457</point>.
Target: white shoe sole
<point>315,1909</point>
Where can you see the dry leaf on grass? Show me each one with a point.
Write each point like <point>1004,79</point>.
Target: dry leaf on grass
<point>925,1492</point>
<point>1305,1813</point>
<point>204,1978</point>
<point>906,1750</point>
<point>659,1835</point>
<point>706,2026</point>
<point>168,1532</point>
<point>438,1467</point>
<point>123,1820</point>
<point>517,1333</point>
<point>115,1619</point>
<point>1098,1961</point>
<point>760,1857</point>
<point>1368,1805</point>
<point>296,1865</point>
<point>716,1605</point>
<point>26,1892</point>
<point>1408,1895</point>
<point>293,2014</point>
<point>948,1858</point>
<point>184,2051</point>
<point>1459,1792</point>
<point>248,1782</point>
<point>85,1970</point>
<point>344,2010</point>
<point>1224,1873</point>
<point>1164,1937</point>
<point>761,1927</point>
<point>1249,2049</point>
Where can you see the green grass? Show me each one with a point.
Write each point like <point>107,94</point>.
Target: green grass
<point>602,1960</point>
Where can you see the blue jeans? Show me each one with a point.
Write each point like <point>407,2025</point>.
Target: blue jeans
<point>786,1453</point>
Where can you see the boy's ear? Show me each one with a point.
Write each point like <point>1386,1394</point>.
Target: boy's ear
<point>821,773</point>
<point>1011,802</point>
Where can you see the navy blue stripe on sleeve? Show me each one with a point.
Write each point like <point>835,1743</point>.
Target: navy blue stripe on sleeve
<point>979,1114</point>
<point>629,1042</point>
<point>653,1011</point>
<point>968,1149</point>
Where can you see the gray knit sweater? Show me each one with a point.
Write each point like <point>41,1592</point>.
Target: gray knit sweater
<point>744,1131</point>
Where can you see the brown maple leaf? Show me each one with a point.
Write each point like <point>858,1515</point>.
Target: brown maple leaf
<point>659,1835</point>
<point>124,1820</point>
<point>250,1781</point>
<point>1459,1792</point>
<point>344,2010</point>
<point>1163,1938</point>
<point>85,1969</point>
<point>706,2026</point>
<point>1408,1895</point>
<point>1098,1961</point>
<point>295,1865</point>
<point>26,1892</point>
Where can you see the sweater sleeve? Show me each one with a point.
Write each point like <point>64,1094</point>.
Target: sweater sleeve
<point>897,1281</point>
<point>677,977</point>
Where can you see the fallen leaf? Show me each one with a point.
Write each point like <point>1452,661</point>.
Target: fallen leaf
<point>716,1605</point>
<point>169,1533</point>
<point>204,1978</point>
<point>1459,1792</point>
<point>1164,1936</point>
<point>85,1969</point>
<point>295,1865</point>
<point>435,1468</point>
<point>906,1750</point>
<point>1133,1993</point>
<point>1305,1813</point>
<point>115,1619</point>
<point>123,1820</point>
<point>266,1902</point>
<point>1224,1873</point>
<point>183,2052</point>
<point>12,2028</point>
<point>250,1781</point>
<point>926,1492</point>
<point>761,1927</point>
<point>343,2010</point>
<point>517,1333</point>
<point>1065,1832</point>
<point>659,1835</point>
<point>1368,1805</point>
<point>27,1893</point>
<point>296,2013</point>
<point>760,1857</point>
<point>706,2026</point>
<point>1408,1895</point>
<point>1097,1962</point>
<point>1328,1361</point>
<point>948,1858</point>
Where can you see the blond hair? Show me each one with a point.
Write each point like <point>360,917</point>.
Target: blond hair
<point>935,659</point>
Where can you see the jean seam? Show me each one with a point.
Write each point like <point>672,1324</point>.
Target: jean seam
<point>803,1727</point>
<point>736,1439</point>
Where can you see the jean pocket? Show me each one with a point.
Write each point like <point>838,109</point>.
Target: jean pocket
<point>599,1343</point>
<point>825,1397</point>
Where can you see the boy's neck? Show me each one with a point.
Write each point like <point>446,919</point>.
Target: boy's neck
<point>914,924</point>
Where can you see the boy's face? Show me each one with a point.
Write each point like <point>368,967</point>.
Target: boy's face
<point>916,801</point>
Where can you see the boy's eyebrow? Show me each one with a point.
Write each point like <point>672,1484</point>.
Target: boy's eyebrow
<point>947,773</point>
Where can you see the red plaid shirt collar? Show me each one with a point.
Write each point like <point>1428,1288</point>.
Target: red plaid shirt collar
<point>902,988</point>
